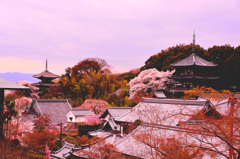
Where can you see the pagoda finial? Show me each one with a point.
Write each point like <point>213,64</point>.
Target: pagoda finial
<point>193,47</point>
<point>46,64</point>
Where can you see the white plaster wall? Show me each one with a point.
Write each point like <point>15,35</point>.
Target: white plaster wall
<point>70,114</point>
<point>80,119</point>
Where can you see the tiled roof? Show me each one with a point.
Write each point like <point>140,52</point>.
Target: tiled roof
<point>113,138</point>
<point>129,145</point>
<point>115,111</point>
<point>194,76</point>
<point>160,94</point>
<point>193,59</point>
<point>163,111</point>
<point>5,84</point>
<point>64,152</point>
<point>80,112</point>
<point>46,84</point>
<point>174,101</point>
<point>100,133</point>
<point>46,74</point>
<point>55,108</point>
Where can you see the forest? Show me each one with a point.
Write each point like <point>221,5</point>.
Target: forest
<point>91,84</point>
<point>226,56</point>
<point>92,78</point>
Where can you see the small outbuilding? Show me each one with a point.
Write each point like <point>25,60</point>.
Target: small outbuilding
<point>77,115</point>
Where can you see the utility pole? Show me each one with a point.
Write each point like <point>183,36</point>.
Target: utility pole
<point>231,101</point>
<point>60,134</point>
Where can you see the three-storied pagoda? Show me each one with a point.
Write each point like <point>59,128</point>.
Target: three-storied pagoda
<point>46,78</point>
<point>194,71</point>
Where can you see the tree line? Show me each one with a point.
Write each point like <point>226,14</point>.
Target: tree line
<point>92,78</point>
<point>227,57</point>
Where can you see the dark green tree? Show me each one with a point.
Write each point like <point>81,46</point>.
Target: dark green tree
<point>162,60</point>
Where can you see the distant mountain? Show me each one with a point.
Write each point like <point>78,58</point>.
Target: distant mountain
<point>16,76</point>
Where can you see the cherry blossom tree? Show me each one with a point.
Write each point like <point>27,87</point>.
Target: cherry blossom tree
<point>147,82</point>
<point>26,93</point>
<point>22,99</point>
<point>92,119</point>
<point>96,106</point>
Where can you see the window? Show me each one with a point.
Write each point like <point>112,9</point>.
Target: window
<point>191,84</point>
<point>70,118</point>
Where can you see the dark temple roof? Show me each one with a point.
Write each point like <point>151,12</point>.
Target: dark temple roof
<point>193,59</point>
<point>193,77</point>
<point>45,84</point>
<point>46,74</point>
<point>55,108</point>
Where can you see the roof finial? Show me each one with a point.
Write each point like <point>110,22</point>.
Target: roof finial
<point>46,64</point>
<point>193,47</point>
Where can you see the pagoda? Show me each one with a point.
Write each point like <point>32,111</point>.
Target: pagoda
<point>194,71</point>
<point>46,78</point>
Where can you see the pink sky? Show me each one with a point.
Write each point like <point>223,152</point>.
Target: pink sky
<point>123,32</point>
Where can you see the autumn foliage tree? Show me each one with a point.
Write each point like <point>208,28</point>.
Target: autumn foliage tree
<point>89,79</point>
<point>100,149</point>
<point>163,146</point>
<point>37,141</point>
<point>218,131</point>
<point>212,132</point>
<point>41,136</point>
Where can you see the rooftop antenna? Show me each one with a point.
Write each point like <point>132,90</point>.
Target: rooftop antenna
<point>193,47</point>
<point>46,64</point>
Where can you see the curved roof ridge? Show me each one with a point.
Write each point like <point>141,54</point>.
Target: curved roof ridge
<point>193,59</point>
<point>174,101</point>
<point>74,109</point>
<point>46,74</point>
<point>50,100</point>
<point>119,107</point>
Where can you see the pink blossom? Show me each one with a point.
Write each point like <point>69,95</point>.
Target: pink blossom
<point>92,119</point>
<point>96,106</point>
<point>47,151</point>
<point>148,79</point>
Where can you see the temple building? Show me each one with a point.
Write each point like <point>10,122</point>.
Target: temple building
<point>46,78</point>
<point>194,71</point>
